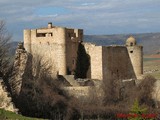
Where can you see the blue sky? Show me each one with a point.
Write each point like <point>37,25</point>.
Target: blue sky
<point>94,16</point>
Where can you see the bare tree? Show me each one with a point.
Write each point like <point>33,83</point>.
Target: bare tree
<point>4,40</point>
<point>42,93</point>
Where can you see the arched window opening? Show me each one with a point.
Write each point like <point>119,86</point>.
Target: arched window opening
<point>131,51</point>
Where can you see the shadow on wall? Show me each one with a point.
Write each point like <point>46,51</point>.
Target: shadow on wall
<point>82,63</point>
<point>118,65</point>
<point>119,68</point>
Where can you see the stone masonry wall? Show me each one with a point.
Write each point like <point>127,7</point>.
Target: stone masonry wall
<point>95,53</point>
<point>110,62</point>
<point>136,56</point>
<point>117,63</point>
<point>78,91</point>
<point>58,45</point>
<point>5,99</point>
<point>22,69</point>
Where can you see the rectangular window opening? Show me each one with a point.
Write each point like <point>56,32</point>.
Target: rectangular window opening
<point>44,34</point>
<point>41,34</point>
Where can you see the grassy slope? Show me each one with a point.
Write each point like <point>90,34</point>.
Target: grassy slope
<point>13,116</point>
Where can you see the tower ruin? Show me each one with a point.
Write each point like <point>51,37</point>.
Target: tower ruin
<point>136,55</point>
<point>58,45</point>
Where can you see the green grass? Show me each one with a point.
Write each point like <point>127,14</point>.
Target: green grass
<point>7,115</point>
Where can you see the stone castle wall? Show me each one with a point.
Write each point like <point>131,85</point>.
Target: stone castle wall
<point>117,63</point>
<point>78,91</point>
<point>95,53</point>
<point>136,56</point>
<point>110,62</point>
<point>57,45</point>
<point>22,69</point>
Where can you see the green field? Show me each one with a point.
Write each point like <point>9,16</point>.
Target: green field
<point>7,115</point>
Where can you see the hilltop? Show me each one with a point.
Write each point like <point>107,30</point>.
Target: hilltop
<point>150,41</point>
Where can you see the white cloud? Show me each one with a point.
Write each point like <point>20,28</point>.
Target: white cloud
<point>87,4</point>
<point>49,16</point>
<point>96,16</point>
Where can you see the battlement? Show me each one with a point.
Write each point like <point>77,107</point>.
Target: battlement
<point>51,35</point>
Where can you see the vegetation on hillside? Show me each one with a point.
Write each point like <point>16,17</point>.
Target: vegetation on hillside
<point>41,94</point>
<point>5,38</point>
<point>7,115</point>
<point>112,103</point>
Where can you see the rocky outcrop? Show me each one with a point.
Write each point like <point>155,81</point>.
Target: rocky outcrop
<point>22,69</point>
<point>5,99</point>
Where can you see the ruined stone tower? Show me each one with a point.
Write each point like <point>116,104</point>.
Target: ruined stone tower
<point>116,61</point>
<point>136,55</point>
<point>58,45</point>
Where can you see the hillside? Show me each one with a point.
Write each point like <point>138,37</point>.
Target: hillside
<point>150,41</point>
<point>12,48</point>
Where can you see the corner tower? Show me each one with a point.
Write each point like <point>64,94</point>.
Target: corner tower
<point>57,45</point>
<point>136,55</point>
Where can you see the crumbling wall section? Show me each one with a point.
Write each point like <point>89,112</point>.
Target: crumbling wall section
<point>5,98</point>
<point>78,91</point>
<point>22,69</point>
<point>95,53</point>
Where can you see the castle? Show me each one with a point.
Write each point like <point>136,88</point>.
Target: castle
<point>63,48</point>
<point>59,45</point>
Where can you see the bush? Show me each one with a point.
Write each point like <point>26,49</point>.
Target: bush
<point>42,93</point>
